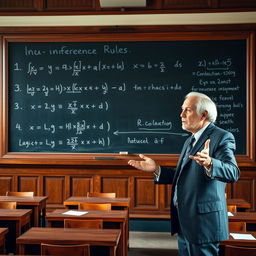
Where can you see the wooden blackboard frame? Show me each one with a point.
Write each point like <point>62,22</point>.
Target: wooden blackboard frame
<point>7,157</point>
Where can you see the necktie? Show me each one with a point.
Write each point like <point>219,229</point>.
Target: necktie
<point>190,146</point>
<point>186,155</point>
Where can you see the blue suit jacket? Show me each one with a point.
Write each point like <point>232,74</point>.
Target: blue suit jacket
<point>201,199</point>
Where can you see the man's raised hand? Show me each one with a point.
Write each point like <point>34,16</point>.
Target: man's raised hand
<point>203,157</point>
<point>147,164</point>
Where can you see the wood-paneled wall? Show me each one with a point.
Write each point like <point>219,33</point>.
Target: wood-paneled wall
<point>93,6</point>
<point>147,200</point>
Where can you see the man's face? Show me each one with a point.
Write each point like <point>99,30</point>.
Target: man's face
<point>191,121</point>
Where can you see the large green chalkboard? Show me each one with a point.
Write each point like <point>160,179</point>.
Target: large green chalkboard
<point>107,97</point>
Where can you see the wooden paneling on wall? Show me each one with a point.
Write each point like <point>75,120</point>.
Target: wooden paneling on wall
<point>120,185</point>
<point>70,5</point>
<point>79,186</point>
<point>6,184</point>
<point>245,188</point>
<point>27,5</point>
<point>31,182</point>
<point>147,200</point>
<point>94,5</point>
<point>55,188</point>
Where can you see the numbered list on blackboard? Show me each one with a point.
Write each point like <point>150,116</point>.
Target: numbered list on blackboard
<point>108,97</point>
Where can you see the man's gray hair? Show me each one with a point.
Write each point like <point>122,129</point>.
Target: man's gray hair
<point>204,103</point>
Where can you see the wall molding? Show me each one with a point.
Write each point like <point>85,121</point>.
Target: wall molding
<point>130,19</point>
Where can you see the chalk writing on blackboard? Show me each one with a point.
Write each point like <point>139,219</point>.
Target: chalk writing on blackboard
<point>109,97</point>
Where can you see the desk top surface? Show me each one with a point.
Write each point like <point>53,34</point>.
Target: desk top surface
<point>239,202</point>
<point>70,235</point>
<point>3,231</point>
<point>14,213</point>
<point>117,201</point>
<point>240,242</point>
<point>90,214</point>
<point>24,199</point>
<point>243,216</point>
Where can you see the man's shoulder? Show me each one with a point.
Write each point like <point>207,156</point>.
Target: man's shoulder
<point>218,131</point>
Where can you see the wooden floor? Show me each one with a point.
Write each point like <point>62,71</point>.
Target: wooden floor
<point>152,244</point>
<point>152,252</point>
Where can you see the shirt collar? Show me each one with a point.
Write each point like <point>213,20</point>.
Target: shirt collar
<point>199,133</point>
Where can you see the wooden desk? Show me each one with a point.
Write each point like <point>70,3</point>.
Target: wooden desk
<point>248,217</point>
<point>237,242</point>
<point>111,219</point>
<point>241,204</point>
<point>21,217</point>
<point>36,203</point>
<point>14,220</point>
<point>121,203</point>
<point>240,242</point>
<point>3,232</point>
<point>93,237</point>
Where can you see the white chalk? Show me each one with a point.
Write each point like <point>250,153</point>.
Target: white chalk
<point>123,153</point>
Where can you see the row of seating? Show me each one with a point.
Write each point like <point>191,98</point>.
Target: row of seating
<point>239,251</point>
<point>82,206</point>
<point>89,194</point>
<point>13,205</point>
<point>53,249</point>
<point>236,227</point>
<point>50,249</point>
<point>81,249</point>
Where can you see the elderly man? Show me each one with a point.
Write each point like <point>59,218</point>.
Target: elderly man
<point>206,164</point>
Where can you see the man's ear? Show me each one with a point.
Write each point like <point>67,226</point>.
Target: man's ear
<point>205,115</point>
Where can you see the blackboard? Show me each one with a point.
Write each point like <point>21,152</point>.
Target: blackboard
<point>123,96</point>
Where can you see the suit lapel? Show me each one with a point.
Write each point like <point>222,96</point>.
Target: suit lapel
<point>199,144</point>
